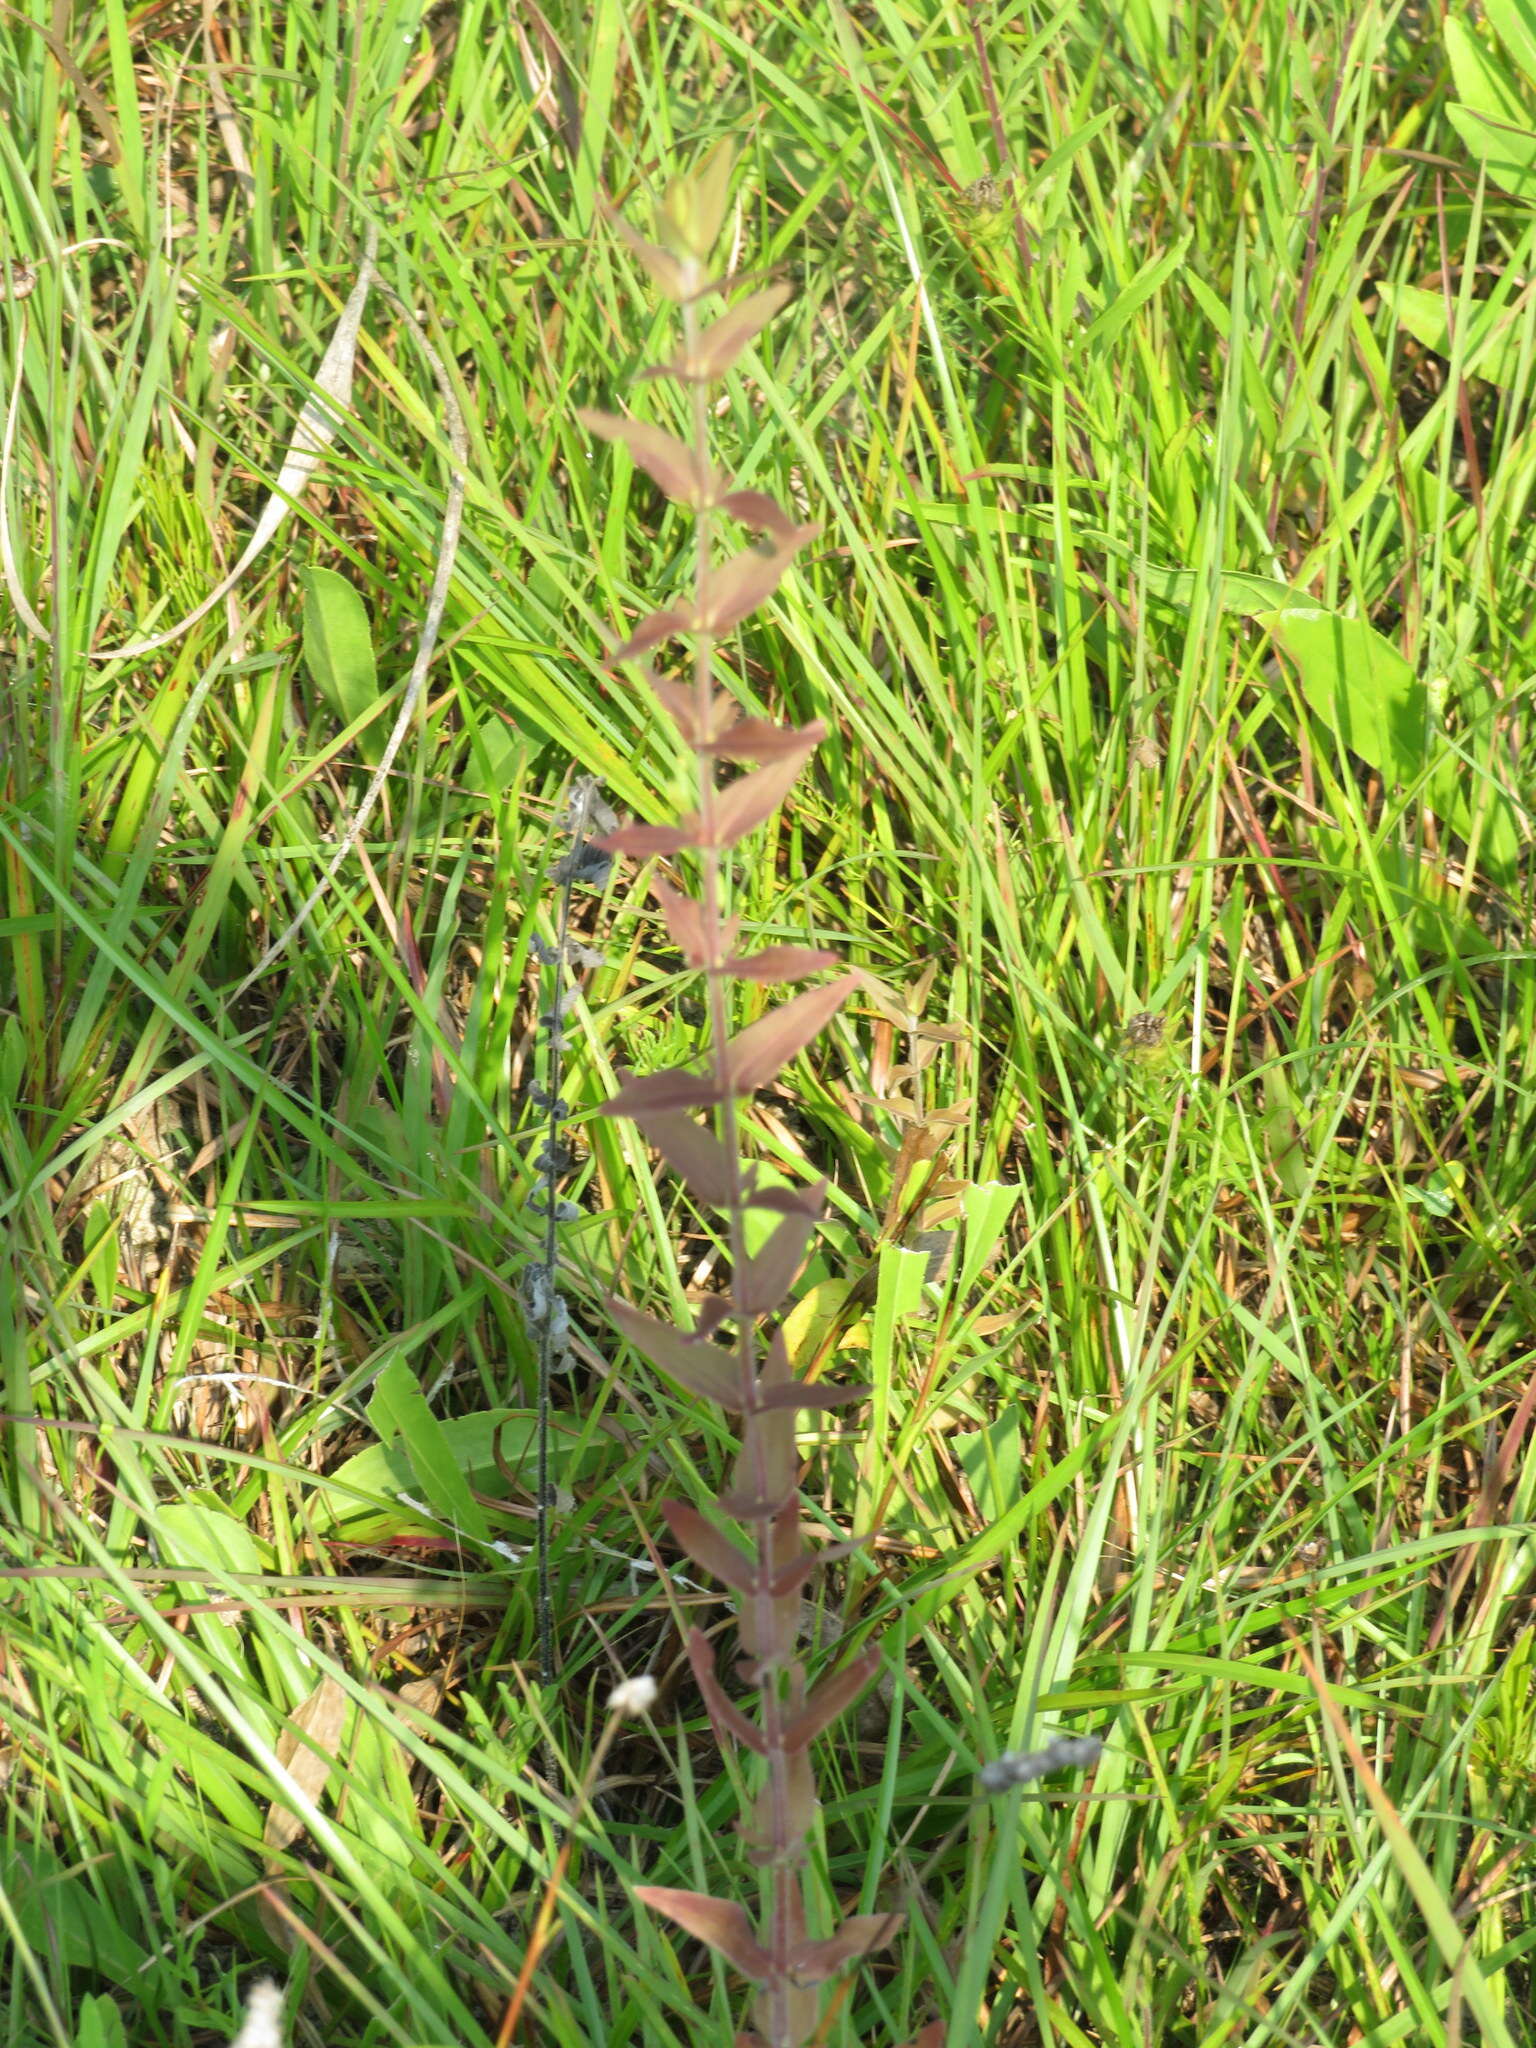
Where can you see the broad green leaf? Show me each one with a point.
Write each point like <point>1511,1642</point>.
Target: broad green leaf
<point>1284,1135</point>
<point>993,1463</point>
<point>1495,119</point>
<point>1249,596</point>
<point>1370,698</point>
<point>193,1533</point>
<point>1483,83</point>
<point>761,1219</point>
<point>361,1498</point>
<point>202,1533</point>
<point>99,2023</point>
<point>399,1410</point>
<point>338,651</point>
<point>1492,340</point>
<point>987,1207</point>
<point>1514,22</point>
<point>1358,685</point>
<point>59,1915</point>
<point>898,1297</point>
<point>383,1815</point>
<point>814,1316</point>
<point>1509,152</point>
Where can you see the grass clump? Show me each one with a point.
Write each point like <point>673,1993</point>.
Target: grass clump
<point>1162,385</point>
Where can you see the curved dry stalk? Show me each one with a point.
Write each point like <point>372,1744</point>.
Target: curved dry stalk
<point>437,605</point>
<point>316,428</point>
<point>318,423</point>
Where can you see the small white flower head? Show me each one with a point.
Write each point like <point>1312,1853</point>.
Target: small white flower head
<point>634,1696</point>
<point>263,2018</point>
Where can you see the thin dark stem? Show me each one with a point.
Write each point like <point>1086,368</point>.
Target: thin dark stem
<point>545,1599</point>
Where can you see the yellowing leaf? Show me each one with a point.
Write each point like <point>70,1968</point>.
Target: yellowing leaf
<point>307,1750</point>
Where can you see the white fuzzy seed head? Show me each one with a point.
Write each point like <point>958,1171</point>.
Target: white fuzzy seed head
<point>263,2018</point>
<point>634,1696</point>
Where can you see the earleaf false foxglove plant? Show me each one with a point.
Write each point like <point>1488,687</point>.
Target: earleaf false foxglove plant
<point>736,1357</point>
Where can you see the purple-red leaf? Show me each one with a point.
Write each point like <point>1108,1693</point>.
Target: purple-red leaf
<point>723,341</point>
<point>672,1088</point>
<point>744,582</point>
<point>684,919</point>
<point>680,705</point>
<point>719,1922</point>
<point>753,1058</point>
<point>834,1696</point>
<point>742,807</point>
<point>779,963</point>
<point>645,841</point>
<point>800,1394</point>
<point>813,1962</point>
<point>795,1574</point>
<point>704,1369</point>
<point>762,513</point>
<point>759,739</point>
<point>713,1311</point>
<point>707,1546</point>
<point>766,1472</point>
<point>799,1810</point>
<point>766,1279</point>
<point>692,1151</point>
<point>650,632</point>
<point>669,462</point>
<point>724,1713</point>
